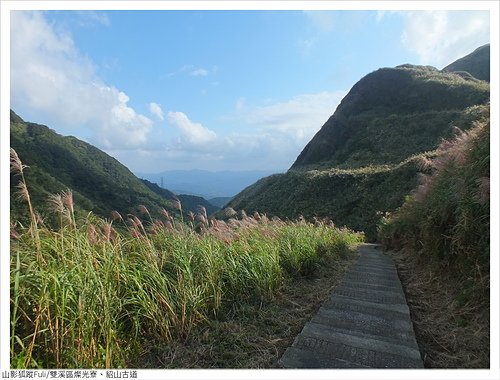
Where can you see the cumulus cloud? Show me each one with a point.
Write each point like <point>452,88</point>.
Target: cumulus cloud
<point>440,37</point>
<point>193,133</point>
<point>298,118</point>
<point>269,135</point>
<point>51,78</point>
<point>156,110</point>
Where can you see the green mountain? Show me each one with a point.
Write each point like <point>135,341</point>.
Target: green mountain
<point>476,63</point>
<point>390,115</point>
<point>365,159</point>
<point>98,181</point>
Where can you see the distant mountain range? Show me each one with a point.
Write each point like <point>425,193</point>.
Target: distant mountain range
<point>204,183</point>
<point>364,161</point>
<point>188,202</point>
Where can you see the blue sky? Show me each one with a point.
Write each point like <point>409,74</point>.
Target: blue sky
<point>216,90</point>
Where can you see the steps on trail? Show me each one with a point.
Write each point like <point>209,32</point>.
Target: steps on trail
<point>365,323</point>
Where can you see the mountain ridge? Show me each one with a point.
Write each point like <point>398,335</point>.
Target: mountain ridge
<point>476,64</point>
<point>99,182</point>
<point>366,158</point>
<point>379,96</point>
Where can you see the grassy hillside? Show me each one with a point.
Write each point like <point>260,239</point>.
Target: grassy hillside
<point>99,182</point>
<point>390,115</point>
<point>447,217</point>
<point>476,63</point>
<point>444,230</point>
<point>364,160</point>
<point>354,197</point>
<point>220,201</point>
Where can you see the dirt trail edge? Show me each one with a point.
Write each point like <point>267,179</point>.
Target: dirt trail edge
<point>365,323</point>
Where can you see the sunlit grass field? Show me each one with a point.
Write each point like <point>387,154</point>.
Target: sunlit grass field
<point>89,292</point>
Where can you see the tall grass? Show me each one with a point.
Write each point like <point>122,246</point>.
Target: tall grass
<point>91,292</point>
<point>446,219</point>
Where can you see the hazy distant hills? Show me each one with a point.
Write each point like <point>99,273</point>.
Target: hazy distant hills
<point>99,182</point>
<point>188,202</point>
<point>365,158</point>
<point>208,184</point>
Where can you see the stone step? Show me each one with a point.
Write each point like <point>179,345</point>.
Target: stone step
<point>380,280</point>
<point>345,303</point>
<point>298,358</point>
<point>398,328</point>
<point>365,323</point>
<point>370,295</point>
<point>360,350</point>
<point>374,272</point>
<point>387,286</point>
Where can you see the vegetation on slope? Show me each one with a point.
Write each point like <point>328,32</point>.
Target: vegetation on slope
<point>448,214</point>
<point>220,201</point>
<point>364,160</point>
<point>476,63</point>
<point>99,182</point>
<point>355,197</point>
<point>390,115</point>
<point>444,228</point>
<point>96,293</point>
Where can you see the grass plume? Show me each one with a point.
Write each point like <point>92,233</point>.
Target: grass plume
<point>104,293</point>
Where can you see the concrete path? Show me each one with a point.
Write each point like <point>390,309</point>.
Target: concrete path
<point>365,323</point>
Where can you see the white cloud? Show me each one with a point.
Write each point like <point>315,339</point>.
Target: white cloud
<point>156,110</point>
<point>52,79</point>
<point>193,133</point>
<point>199,72</point>
<point>269,136</point>
<point>322,20</point>
<point>298,118</point>
<point>192,71</point>
<point>180,70</point>
<point>90,18</point>
<point>440,37</point>
<point>321,24</point>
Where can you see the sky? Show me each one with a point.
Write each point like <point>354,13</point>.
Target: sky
<point>213,90</point>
